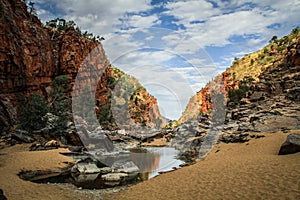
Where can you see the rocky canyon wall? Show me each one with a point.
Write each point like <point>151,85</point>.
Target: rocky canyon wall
<point>32,55</point>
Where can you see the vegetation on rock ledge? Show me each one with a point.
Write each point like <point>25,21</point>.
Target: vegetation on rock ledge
<point>59,24</point>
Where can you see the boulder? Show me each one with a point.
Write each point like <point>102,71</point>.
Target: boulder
<point>105,170</point>
<point>256,96</point>
<point>270,123</point>
<point>2,196</point>
<point>121,132</point>
<point>86,168</point>
<point>83,178</point>
<point>244,126</point>
<point>72,137</point>
<point>52,143</point>
<point>125,167</point>
<point>291,145</point>
<point>294,94</point>
<point>35,147</point>
<point>76,149</point>
<point>114,177</point>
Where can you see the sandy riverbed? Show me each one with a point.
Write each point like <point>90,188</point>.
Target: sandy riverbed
<point>231,171</point>
<point>17,158</point>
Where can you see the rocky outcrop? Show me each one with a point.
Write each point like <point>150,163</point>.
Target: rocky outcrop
<point>32,55</point>
<point>269,105</point>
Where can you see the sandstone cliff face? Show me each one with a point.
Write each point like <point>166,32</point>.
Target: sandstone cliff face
<point>273,57</point>
<point>31,56</point>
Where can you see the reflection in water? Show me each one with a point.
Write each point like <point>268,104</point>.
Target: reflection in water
<point>155,160</point>
<point>151,161</point>
<point>146,161</point>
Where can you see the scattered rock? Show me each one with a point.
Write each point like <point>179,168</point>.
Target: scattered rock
<point>76,149</point>
<point>114,177</point>
<point>291,145</point>
<point>234,138</point>
<point>294,94</point>
<point>256,136</point>
<point>121,132</point>
<point>86,168</point>
<point>72,137</point>
<point>22,136</point>
<point>52,143</point>
<point>35,147</point>
<point>105,170</point>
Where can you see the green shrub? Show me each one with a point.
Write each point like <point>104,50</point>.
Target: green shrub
<point>111,82</point>
<point>266,51</point>
<point>281,48</point>
<point>296,30</point>
<point>105,116</point>
<point>32,112</point>
<point>235,60</point>
<point>274,39</point>
<point>60,104</point>
<point>261,56</point>
<point>235,95</point>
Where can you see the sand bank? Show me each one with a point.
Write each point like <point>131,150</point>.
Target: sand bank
<point>251,170</point>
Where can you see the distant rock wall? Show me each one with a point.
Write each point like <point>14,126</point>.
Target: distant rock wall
<point>282,56</point>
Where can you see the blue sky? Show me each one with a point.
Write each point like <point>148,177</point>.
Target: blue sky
<point>175,47</point>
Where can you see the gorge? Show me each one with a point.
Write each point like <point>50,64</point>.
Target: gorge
<point>60,95</point>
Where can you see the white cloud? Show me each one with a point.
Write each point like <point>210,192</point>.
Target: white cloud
<point>140,59</point>
<point>140,21</point>
<point>190,11</point>
<point>232,18</point>
<point>100,17</point>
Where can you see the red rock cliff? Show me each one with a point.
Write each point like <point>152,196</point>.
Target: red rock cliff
<point>31,56</point>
